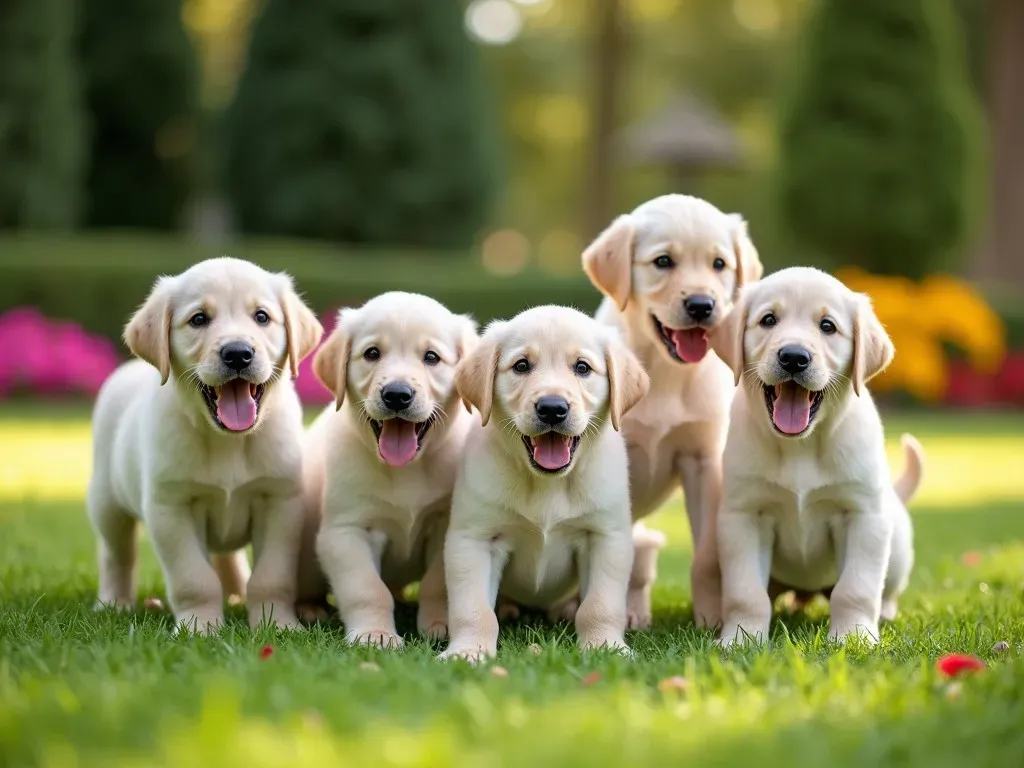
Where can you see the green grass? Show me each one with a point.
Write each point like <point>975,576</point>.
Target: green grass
<point>82,689</point>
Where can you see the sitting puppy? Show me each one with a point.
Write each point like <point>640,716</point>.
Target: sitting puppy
<point>380,463</point>
<point>808,503</point>
<point>671,271</point>
<point>201,443</point>
<point>541,503</point>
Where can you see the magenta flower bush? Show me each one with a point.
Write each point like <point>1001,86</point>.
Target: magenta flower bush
<point>42,357</point>
<point>45,357</point>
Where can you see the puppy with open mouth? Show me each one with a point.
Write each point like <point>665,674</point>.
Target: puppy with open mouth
<point>541,501</point>
<point>671,271</point>
<point>200,441</point>
<point>808,504</point>
<point>380,462</point>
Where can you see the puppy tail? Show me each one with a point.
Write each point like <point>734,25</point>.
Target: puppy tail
<point>913,454</point>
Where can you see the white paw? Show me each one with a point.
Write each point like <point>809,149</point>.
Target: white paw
<point>473,654</point>
<point>740,634</point>
<point>311,613</point>
<point>638,609</point>
<point>866,631</point>
<point>380,638</point>
<point>435,630</point>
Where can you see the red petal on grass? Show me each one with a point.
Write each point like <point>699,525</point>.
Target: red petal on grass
<point>956,664</point>
<point>266,652</point>
<point>592,678</point>
<point>971,559</point>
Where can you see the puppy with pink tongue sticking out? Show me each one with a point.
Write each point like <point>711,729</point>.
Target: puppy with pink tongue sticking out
<point>380,463</point>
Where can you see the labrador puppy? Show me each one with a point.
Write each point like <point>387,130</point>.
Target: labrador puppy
<point>200,442</point>
<point>541,502</point>
<point>808,503</point>
<point>380,462</point>
<point>671,271</point>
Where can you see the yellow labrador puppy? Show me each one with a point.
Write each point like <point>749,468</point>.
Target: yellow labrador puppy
<point>201,442</point>
<point>380,463</point>
<point>671,271</point>
<point>541,503</point>
<point>808,502</point>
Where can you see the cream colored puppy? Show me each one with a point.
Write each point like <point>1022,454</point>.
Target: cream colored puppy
<point>201,443</point>
<point>808,501</point>
<point>380,463</point>
<point>541,503</point>
<point>671,271</point>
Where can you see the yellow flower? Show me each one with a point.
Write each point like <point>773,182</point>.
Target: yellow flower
<point>920,320</point>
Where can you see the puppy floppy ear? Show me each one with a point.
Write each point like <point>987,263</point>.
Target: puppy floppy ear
<point>468,341</point>
<point>148,333</point>
<point>748,262</point>
<point>330,363</point>
<point>474,378</point>
<point>872,348</point>
<point>727,338</point>
<point>608,261</point>
<point>628,382</point>
<point>301,325</point>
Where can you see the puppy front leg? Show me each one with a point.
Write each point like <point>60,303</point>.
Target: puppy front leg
<point>745,541</point>
<point>856,601</point>
<point>276,538</point>
<point>606,563</point>
<point>702,487</point>
<point>366,605</point>
<point>432,615</point>
<point>472,568</point>
<point>193,586</point>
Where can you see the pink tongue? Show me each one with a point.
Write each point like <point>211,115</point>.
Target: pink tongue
<point>551,451</point>
<point>691,344</point>
<point>398,442</point>
<point>236,407</point>
<point>792,410</point>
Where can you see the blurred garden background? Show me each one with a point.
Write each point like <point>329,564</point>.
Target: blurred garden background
<point>469,149</point>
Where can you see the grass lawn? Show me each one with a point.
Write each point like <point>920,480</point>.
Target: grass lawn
<point>82,689</point>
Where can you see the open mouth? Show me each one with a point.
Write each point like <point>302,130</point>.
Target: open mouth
<point>791,407</point>
<point>551,452</point>
<point>398,440</point>
<point>235,404</point>
<point>687,345</point>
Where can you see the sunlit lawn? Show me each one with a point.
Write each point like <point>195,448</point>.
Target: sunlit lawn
<point>77,688</point>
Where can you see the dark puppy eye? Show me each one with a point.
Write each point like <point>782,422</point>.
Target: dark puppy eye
<point>431,358</point>
<point>718,264</point>
<point>261,317</point>
<point>582,368</point>
<point>664,262</point>
<point>827,326</point>
<point>371,354</point>
<point>198,320</point>
<point>768,320</point>
<point>522,366</point>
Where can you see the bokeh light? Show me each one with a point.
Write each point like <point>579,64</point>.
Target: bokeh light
<point>493,22</point>
<point>505,252</point>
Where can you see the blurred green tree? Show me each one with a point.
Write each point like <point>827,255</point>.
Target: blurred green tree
<point>41,140</point>
<point>142,91</point>
<point>362,122</point>
<point>880,137</point>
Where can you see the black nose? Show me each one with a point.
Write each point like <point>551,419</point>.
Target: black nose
<point>699,307</point>
<point>552,410</point>
<point>794,359</point>
<point>397,395</point>
<point>237,355</point>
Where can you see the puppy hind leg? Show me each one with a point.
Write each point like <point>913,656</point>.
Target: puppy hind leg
<point>117,540</point>
<point>234,572</point>
<point>646,546</point>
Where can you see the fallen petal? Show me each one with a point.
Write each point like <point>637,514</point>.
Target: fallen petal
<point>499,671</point>
<point>956,664</point>
<point>675,683</point>
<point>266,652</point>
<point>592,678</point>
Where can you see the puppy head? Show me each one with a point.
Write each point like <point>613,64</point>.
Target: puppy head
<point>226,329</point>
<point>803,340</point>
<point>678,262</point>
<point>550,377</point>
<point>395,358</point>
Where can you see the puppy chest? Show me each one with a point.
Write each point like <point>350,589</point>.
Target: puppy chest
<point>804,548</point>
<point>542,566</point>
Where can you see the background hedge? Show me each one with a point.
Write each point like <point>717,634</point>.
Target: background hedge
<point>99,280</point>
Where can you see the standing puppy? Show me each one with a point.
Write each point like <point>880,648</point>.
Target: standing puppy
<point>671,271</point>
<point>380,463</point>
<point>808,501</point>
<point>201,443</point>
<point>541,503</point>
